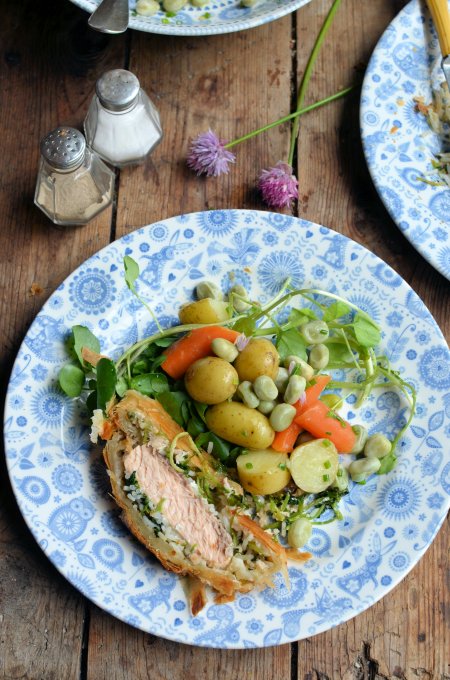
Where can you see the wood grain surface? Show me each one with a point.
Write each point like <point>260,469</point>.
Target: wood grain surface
<point>232,83</point>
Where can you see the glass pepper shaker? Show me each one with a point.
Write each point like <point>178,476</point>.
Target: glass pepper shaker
<point>122,125</point>
<point>73,183</point>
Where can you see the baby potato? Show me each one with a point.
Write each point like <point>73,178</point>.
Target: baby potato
<point>259,357</point>
<point>239,424</point>
<point>206,310</point>
<point>314,465</point>
<point>263,472</point>
<point>211,380</point>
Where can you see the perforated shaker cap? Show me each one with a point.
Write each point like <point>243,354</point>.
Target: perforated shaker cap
<point>117,89</point>
<point>63,148</point>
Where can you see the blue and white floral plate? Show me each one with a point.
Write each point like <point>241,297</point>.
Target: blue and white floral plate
<point>61,485</point>
<point>398,143</point>
<point>217,16</point>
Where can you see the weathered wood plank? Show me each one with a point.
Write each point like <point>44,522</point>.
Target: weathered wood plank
<point>231,84</point>
<point>405,635</point>
<point>47,73</point>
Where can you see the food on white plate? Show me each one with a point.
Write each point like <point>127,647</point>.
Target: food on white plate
<point>179,505</point>
<point>223,440</point>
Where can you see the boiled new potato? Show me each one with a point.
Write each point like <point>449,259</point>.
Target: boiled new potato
<point>207,310</point>
<point>314,465</point>
<point>211,380</point>
<point>263,472</point>
<point>239,424</point>
<point>259,357</point>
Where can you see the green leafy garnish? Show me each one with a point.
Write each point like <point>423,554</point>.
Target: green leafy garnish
<point>149,384</point>
<point>366,332</point>
<point>290,342</point>
<point>106,382</point>
<point>71,379</point>
<point>82,337</point>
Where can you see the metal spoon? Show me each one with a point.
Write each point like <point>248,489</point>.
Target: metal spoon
<point>111,16</point>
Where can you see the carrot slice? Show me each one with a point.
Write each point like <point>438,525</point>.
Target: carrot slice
<point>195,345</point>
<point>284,441</point>
<point>312,393</point>
<point>322,422</point>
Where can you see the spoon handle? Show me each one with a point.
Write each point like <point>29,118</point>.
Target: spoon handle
<point>111,16</point>
<point>441,19</point>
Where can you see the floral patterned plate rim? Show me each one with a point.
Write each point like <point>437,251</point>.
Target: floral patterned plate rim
<point>217,16</point>
<point>61,486</point>
<point>398,143</point>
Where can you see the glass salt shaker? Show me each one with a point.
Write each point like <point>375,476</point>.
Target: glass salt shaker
<point>122,125</point>
<point>73,183</point>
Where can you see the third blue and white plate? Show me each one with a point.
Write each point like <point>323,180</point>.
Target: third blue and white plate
<point>60,482</point>
<point>217,16</point>
<point>398,143</point>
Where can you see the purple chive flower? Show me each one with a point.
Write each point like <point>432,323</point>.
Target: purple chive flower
<point>208,155</point>
<point>241,341</point>
<point>278,185</point>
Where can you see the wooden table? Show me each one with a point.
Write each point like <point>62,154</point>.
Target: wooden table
<point>231,83</point>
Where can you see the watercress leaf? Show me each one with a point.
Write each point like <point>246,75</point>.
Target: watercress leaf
<point>71,379</point>
<point>195,426</point>
<point>336,310</point>
<point>164,342</point>
<point>122,386</point>
<point>82,337</point>
<point>140,366</point>
<point>106,382</point>
<point>291,342</point>
<point>131,271</point>
<point>220,448</point>
<point>150,384</point>
<point>200,409</point>
<point>339,354</point>
<point>301,316</point>
<point>366,332</point>
<point>246,325</point>
<point>172,402</point>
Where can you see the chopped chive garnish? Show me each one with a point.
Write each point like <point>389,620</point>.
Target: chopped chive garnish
<point>327,464</point>
<point>326,478</point>
<point>249,466</point>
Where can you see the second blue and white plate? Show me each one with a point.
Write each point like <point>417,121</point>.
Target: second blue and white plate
<point>60,481</point>
<point>398,143</point>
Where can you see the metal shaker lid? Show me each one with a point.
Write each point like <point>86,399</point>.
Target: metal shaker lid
<point>63,148</point>
<point>117,89</point>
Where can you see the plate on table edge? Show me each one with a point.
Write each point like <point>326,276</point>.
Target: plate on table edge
<point>225,16</point>
<point>61,486</point>
<point>398,143</point>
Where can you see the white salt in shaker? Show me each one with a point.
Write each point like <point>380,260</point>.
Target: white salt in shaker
<point>73,183</point>
<point>122,124</point>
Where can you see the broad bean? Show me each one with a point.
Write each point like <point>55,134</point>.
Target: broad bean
<point>319,357</point>
<point>282,416</point>
<point>361,469</point>
<point>246,393</point>
<point>265,388</point>
<point>294,389</point>
<point>315,332</point>
<point>361,438</point>
<point>208,289</point>
<point>299,532</point>
<point>224,349</point>
<point>377,446</point>
<point>306,370</point>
